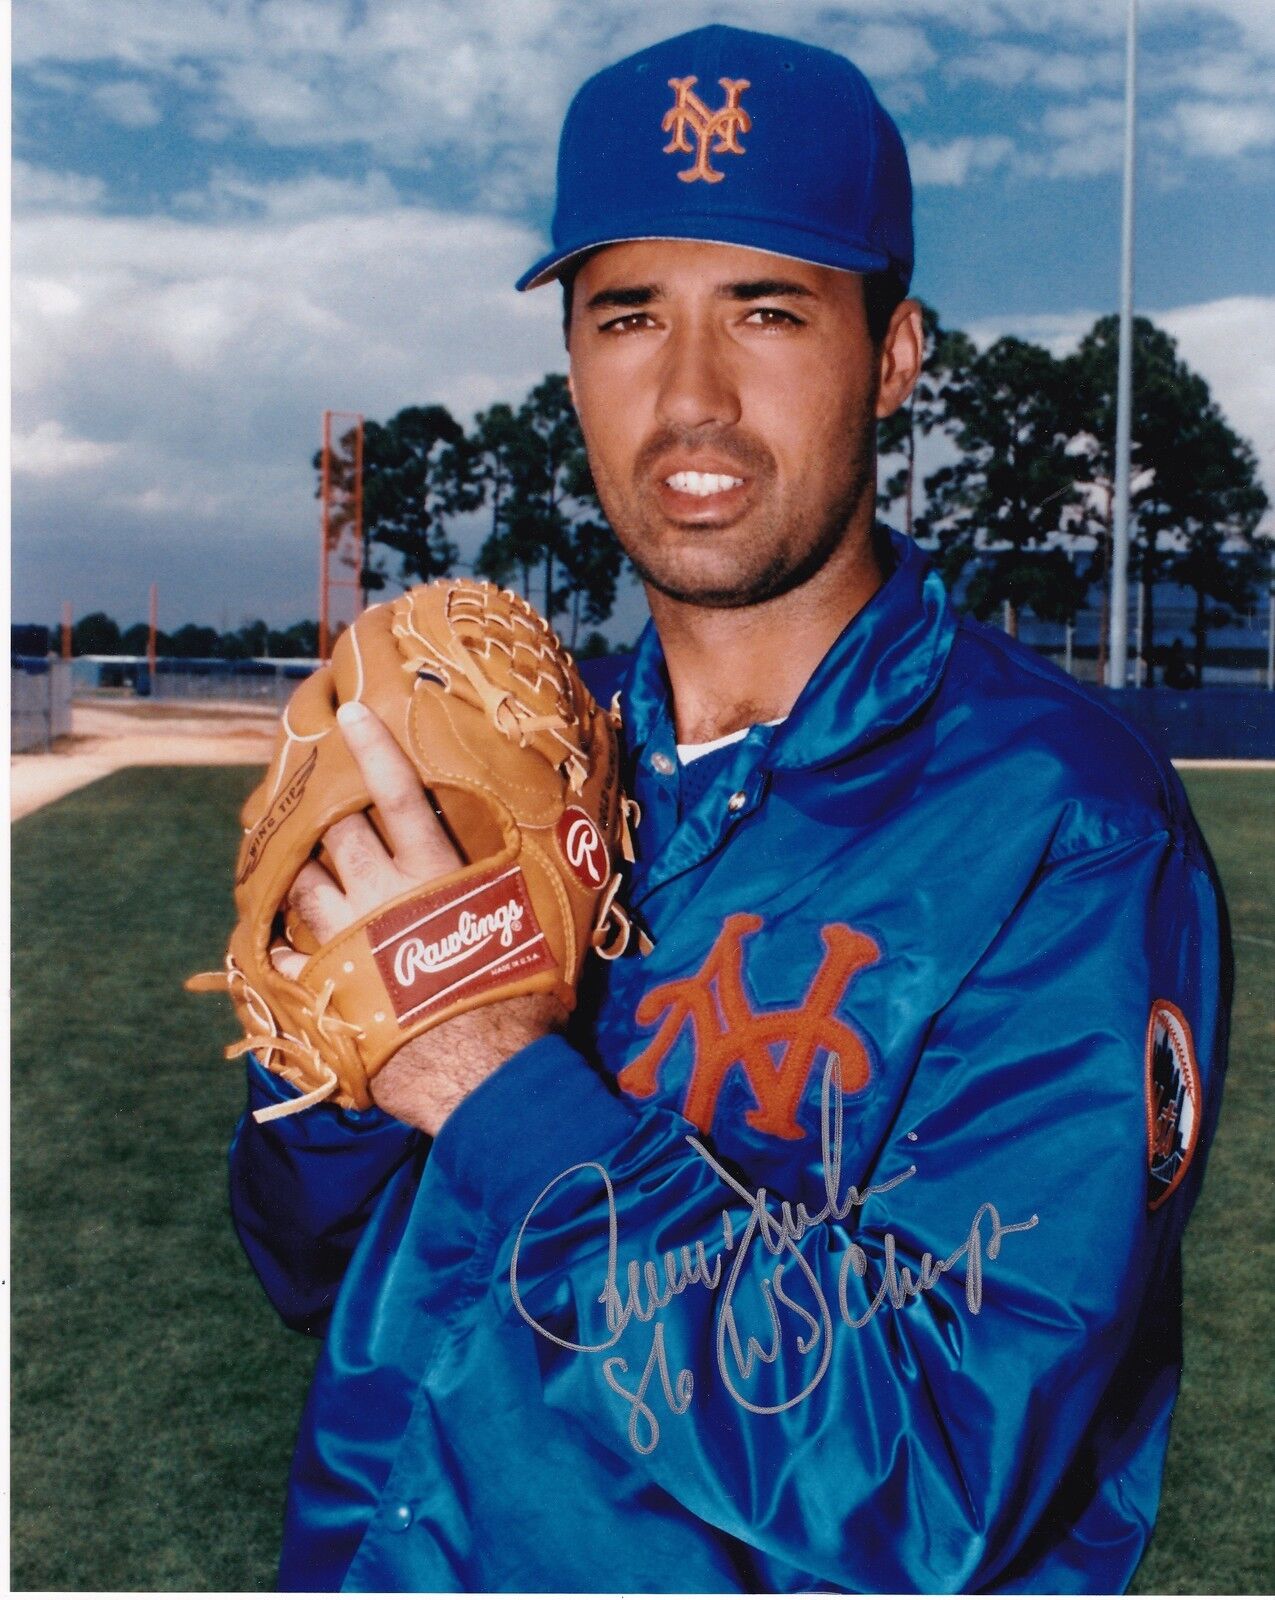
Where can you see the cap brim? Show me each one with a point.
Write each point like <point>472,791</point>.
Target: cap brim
<point>748,233</point>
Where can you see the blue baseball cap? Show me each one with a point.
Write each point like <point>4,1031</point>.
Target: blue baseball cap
<point>733,137</point>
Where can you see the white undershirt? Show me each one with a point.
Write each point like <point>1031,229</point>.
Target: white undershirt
<point>686,753</point>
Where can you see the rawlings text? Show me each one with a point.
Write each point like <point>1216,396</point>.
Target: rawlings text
<point>471,933</point>
<point>454,942</point>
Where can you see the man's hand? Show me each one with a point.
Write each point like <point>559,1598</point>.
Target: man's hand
<point>429,1077</point>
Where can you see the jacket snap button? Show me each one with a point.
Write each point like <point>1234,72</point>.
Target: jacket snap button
<point>662,764</point>
<point>401,1518</point>
<point>737,801</point>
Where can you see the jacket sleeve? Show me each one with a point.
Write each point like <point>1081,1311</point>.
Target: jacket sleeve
<point>885,1395</point>
<point>302,1189</point>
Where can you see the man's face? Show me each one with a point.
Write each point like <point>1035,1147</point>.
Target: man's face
<point>728,398</point>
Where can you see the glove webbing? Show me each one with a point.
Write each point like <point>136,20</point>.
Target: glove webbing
<point>509,715</point>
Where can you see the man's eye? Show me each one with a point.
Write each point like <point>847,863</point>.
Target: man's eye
<point>628,323</point>
<point>772,317</point>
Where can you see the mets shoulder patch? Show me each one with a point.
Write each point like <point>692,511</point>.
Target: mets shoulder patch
<point>1173,1101</point>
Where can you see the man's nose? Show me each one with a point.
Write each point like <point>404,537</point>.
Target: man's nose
<point>697,384</point>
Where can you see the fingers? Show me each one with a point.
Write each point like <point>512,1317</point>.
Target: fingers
<point>366,872</point>
<point>319,903</point>
<point>421,847</point>
<point>370,875</point>
<point>290,962</point>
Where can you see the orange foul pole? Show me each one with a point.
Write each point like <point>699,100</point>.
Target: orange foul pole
<point>66,630</point>
<point>340,518</point>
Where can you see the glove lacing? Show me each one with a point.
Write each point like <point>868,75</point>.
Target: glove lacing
<point>271,1041</point>
<point>613,922</point>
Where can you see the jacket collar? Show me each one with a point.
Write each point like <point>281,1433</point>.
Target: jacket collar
<point>882,668</point>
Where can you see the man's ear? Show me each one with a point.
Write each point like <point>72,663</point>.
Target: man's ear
<point>571,390</point>
<point>902,351</point>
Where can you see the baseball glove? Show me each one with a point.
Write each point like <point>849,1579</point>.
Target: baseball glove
<point>523,768</point>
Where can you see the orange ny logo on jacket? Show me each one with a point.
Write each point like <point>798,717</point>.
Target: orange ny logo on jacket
<point>775,1050</point>
<point>725,124</point>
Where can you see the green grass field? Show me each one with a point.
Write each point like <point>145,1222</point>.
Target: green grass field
<point>155,1396</point>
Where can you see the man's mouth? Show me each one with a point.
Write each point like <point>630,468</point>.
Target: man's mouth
<point>697,485</point>
<point>702,484</point>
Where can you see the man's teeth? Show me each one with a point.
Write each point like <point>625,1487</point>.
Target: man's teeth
<point>702,482</point>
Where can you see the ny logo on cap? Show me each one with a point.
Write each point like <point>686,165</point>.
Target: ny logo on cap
<point>725,124</point>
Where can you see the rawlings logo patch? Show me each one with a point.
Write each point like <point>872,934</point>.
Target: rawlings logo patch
<point>775,1050</point>
<point>725,125</point>
<point>1173,1101</point>
<point>458,941</point>
<point>583,847</point>
<point>269,825</point>
<point>474,931</point>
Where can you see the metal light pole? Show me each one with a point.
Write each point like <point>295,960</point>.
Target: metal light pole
<point>1138,659</point>
<point>1124,381</point>
<point>151,631</point>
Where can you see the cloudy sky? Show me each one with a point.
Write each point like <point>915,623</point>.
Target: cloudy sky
<point>229,214</point>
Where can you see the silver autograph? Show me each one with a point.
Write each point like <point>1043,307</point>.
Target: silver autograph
<point>646,1288</point>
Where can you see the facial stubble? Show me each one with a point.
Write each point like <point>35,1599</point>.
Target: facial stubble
<point>793,561</point>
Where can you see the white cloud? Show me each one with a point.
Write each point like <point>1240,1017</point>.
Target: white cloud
<point>130,102</point>
<point>1252,20</point>
<point>403,76</point>
<point>1222,128</point>
<point>169,377</point>
<point>48,451</point>
<point>1231,343</point>
<point>953,163</point>
<point>881,49</point>
<point>1206,79</point>
<point>1083,141</point>
<point>1010,65</point>
<point>398,76</point>
<point>1219,74</point>
<point>1060,332</point>
<point>149,33</point>
<point>229,194</point>
<point>305,295</point>
<point>36,187</point>
<point>483,86</point>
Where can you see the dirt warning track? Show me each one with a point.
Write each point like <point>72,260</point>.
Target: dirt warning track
<point>105,737</point>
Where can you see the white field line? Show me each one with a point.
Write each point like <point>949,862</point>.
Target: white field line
<point>1207,764</point>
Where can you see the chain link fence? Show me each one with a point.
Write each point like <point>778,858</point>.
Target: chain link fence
<point>39,703</point>
<point>261,682</point>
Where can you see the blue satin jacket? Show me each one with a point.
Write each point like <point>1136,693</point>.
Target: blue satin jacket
<point>837,1245</point>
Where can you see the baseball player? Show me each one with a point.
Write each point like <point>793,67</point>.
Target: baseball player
<point>832,1240</point>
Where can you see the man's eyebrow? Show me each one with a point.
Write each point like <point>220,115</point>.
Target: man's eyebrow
<point>764,289</point>
<point>637,295</point>
<point>634,296</point>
